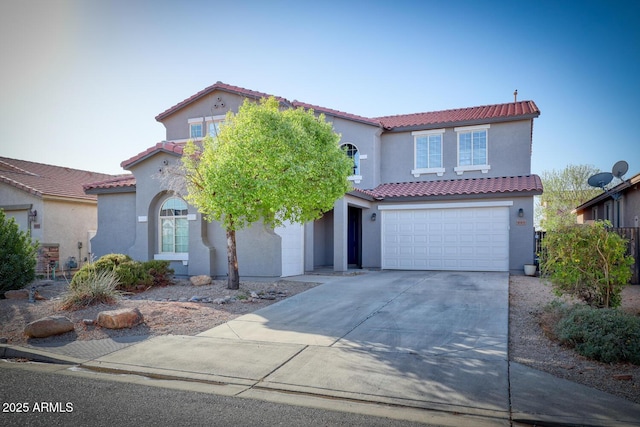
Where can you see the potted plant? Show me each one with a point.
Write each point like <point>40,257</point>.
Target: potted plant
<point>530,269</point>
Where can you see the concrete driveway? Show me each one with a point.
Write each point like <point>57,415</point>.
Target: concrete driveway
<point>424,339</point>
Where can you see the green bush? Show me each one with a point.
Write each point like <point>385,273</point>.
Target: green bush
<point>96,287</point>
<point>17,256</point>
<point>160,271</point>
<point>587,262</point>
<point>130,273</point>
<point>606,335</point>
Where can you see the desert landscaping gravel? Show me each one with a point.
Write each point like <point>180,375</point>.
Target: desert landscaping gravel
<point>168,310</point>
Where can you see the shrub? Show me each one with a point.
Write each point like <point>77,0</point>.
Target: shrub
<point>160,271</point>
<point>606,335</point>
<point>96,287</point>
<point>587,262</point>
<point>130,273</point>
<point>17,256</point>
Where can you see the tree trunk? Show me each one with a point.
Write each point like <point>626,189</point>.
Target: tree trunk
<point>233,281</point>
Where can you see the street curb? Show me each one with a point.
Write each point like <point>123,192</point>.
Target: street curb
<point>11,352</point>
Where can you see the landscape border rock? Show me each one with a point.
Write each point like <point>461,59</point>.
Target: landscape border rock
<point>119,319</point>
<point>48,326</point>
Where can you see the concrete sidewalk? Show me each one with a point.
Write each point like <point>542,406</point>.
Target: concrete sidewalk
<point>431,342</point>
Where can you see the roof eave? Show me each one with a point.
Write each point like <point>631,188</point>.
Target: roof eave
<point>126,165</point>
<point>462,123</point>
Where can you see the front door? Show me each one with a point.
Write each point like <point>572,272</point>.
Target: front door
<point>354,237</point>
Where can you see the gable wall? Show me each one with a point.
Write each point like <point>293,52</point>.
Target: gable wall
<point>177,125</point>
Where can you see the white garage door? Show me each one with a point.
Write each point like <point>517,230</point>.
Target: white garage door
<point>292,249</point>
<point>467,238</point>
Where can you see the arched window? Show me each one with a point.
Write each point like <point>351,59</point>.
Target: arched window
<point>352,152</point>
<point>174,226</point>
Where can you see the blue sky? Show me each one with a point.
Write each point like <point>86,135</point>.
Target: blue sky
<point>82,81</point>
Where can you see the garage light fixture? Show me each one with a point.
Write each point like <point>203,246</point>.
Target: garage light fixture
<point>520,213</point>
<point>373,216</point>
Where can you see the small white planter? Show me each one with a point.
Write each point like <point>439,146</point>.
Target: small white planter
<point>530,269</point>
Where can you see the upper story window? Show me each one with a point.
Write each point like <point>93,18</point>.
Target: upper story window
<point>196,128</point>
<point>174,226</point>
<point>427,152</point>
<point>213,125</point>
<point>352,151</point>
<point>473,149</point>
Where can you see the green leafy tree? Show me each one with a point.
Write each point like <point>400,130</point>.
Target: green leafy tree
<point>17,255</point>
<point>266,164</point>
<point>564,190</point>
<point>588,262</point>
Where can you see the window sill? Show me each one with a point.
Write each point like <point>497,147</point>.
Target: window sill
<point>471,168</point>
<point>355,178</point>
<point>169,256</point>
<point>424,171</point>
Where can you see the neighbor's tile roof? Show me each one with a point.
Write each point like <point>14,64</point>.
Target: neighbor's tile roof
<point>164,146</point>
<point>481,114</point>
<point>116,182</point>
<point>455,187</point>
<point>47,180</point>
<point>222,87</point>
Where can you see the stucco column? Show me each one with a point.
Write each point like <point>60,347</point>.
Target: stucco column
<point>340,224</point>
<point>308,246</point>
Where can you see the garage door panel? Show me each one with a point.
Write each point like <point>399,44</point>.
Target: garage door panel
<point>446,239</point>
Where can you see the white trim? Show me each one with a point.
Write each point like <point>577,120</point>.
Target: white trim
<point>471,128</point>
<point>172,256</point>
<point>191,217</point>
<point>427,132</point>
<point>363,157</point>
<point>505,203</point>
<point>195,120</point>
<point>462,169</point>
<point>215,118</point>
<point>355,178</point>
<point>422,171</point>
<point>143,218</point>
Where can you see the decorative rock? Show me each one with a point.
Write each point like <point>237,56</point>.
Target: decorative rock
<point>623,377</point>
<point>3,340</point>
<point>88,322</point>
<point>48,326</point>
<point>17,294</point>
<point>201,280</point>
<point>254,295</point>
<point>21,294</point>
<point>118,319</point>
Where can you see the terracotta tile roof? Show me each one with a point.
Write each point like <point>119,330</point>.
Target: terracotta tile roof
<point>47,180</point>
<point>337,113</point>
<point>455,187</point>
<point>117,182</point>
<point>481,114</point>
<point>164,146</point>
<point>222,87</point>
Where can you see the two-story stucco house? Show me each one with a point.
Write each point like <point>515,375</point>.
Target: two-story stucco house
<point>444,190</point>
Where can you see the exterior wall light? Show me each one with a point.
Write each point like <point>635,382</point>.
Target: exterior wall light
<point>520,213</point>
<point>373,216</point>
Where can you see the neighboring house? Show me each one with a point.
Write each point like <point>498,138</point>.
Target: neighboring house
<point>50,202</point>
<point>623,210</point>
<point>445,190</point>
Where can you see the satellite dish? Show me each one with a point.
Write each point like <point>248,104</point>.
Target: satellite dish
<point>601,179</point>
<point>620,168</point>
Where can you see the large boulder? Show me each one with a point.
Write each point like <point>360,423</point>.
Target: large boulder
<point>118,319</point>
<point>201,280</point>
<point>22,294</point>
<point>48,326</point>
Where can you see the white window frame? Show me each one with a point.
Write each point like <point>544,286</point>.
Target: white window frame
<point>209,120</point>
<point>416,171</point>
<point>192,123</point>
<point>469,168</point>
<point>356,177</point>
<point>172,256</point>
